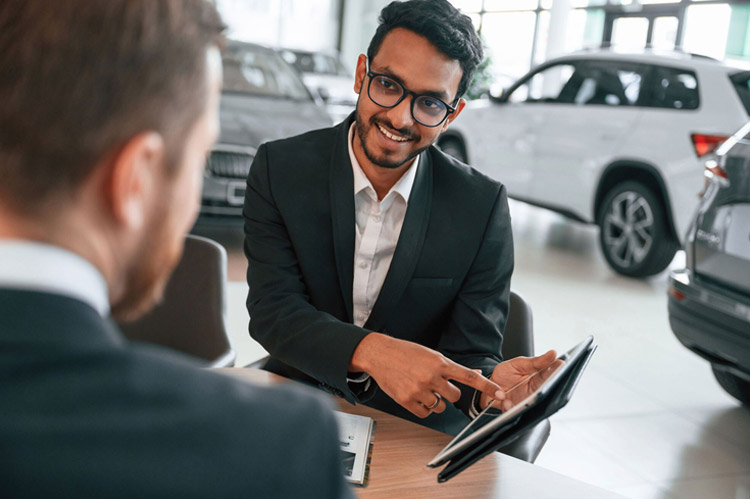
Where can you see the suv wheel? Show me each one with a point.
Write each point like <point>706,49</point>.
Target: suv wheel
<point>733,385</point>
<point>453,147</point>
<point>634,234</point>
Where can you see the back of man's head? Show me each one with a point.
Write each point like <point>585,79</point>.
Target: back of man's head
<point>451,32</point>
<point>80,78</point>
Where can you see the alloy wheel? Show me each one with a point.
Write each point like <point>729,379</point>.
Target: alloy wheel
<point>628,229</point>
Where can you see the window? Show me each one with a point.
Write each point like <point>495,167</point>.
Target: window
<point>504,30</point>
<point>585,83</point>
<point>706,29</point>
<point>675,89</point>
<point>741,82</point>
<point>545,85</point>
<point>314,62</point>
<point>611,83</point>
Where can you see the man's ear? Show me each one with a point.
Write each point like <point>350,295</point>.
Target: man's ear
<point>459,107</point>
<point>131,185</point>
<point>360,73</point>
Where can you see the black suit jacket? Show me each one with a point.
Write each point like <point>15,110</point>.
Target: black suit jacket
<point>447,287</point>
<point>84,413</point>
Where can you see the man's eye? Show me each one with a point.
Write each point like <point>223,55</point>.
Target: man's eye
<point>387,84</point>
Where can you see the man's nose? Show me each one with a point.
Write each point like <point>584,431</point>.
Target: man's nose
<point>400,115</point>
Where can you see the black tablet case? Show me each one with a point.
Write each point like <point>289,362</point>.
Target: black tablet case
<point>515,427</point>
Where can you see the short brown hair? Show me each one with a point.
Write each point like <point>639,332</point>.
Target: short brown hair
<point>81,77</point>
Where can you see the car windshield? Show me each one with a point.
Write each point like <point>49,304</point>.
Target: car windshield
<point>261,72</point>
<point>313,62</point>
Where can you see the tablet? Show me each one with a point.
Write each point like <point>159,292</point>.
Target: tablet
<point>488,421</point>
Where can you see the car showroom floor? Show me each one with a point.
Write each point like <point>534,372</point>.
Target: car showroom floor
<point>648,420</point>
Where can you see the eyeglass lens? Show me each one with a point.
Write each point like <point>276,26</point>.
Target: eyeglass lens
<point>387,92</point>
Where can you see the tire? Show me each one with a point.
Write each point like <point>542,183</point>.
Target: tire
<point>453,147</point>
<point>733,385</point>
<point>634,231</point>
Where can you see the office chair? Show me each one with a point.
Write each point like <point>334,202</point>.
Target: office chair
<point>518,340</point>
<point>192,315</point>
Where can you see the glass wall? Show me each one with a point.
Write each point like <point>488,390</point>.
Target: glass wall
<point>719,30</point>
<point>300,24</point>
<point>517,32</point>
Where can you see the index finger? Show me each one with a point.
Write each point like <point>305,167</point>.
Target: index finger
<point>473,379</point>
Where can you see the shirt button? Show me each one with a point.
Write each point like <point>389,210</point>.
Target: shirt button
<point>363,265</point>
<point>376,218</point>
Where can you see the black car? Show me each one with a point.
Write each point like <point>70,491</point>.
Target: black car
<point>709,300</point>
<point>262,99</point>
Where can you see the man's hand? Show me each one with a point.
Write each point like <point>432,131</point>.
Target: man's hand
<point>415,376</point>
<point>519,378</point>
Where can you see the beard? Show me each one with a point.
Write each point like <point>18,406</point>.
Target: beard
<point>383,161</point>
<point>148,274</point>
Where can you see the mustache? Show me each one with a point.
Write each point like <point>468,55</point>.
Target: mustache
<point>404,132</point>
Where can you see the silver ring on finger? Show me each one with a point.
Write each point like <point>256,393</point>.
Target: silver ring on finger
<point>437,401</point>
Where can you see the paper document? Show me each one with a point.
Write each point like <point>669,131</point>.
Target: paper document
<point>355,436</point>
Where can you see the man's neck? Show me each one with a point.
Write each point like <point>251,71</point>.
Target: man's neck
<point>69,233</point>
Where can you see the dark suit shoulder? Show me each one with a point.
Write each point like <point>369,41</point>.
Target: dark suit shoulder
<point>461,179</point>
<point>317,143</point>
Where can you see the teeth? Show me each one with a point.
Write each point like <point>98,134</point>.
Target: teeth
<point>397,138</point>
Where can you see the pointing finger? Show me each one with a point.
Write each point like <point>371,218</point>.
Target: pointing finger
<point>473,379</point>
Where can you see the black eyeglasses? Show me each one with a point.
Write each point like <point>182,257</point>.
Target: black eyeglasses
<point>425,109</point>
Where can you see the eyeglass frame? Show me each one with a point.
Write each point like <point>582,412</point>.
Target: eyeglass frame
<point>414,96</point>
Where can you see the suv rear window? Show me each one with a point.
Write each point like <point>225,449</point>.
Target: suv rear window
<point>741,83</point>
<point>674,89</point>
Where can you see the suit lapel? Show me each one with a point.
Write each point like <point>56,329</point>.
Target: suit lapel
<point>409,245</point>
<point>342,213</point>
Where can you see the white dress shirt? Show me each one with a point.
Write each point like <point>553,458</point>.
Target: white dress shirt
<point>40,267</point>
<point>378,225</point>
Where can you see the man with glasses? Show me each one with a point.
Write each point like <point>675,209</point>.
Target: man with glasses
<point>379,268</point>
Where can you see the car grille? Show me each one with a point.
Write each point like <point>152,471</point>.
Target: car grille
<point>229,164</point>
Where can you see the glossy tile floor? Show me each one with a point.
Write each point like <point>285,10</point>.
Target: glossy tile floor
<point>648,419</point>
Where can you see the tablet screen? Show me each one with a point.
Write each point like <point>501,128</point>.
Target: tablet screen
<point>522,395</point>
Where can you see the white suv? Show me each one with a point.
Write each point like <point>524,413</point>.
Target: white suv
<point>610,139</point>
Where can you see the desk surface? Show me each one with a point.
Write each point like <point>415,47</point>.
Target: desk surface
<point>402,448</point>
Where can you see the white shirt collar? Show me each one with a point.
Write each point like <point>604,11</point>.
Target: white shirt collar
<point>51,269</point>
<point>361,182</point>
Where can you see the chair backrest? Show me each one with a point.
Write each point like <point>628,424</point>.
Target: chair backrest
<point>192,315</point>
<point>518,337</point>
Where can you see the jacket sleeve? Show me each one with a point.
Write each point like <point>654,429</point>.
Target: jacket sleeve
<point>282,319</point>
<point>473,334</point>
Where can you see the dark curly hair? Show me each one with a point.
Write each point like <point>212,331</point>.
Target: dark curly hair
<point>451,32</point>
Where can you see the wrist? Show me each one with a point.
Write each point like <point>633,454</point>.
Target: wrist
<point>362,355</point>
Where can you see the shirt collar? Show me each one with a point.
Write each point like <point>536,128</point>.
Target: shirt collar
<point>361,182</point>
<point>51,269</point>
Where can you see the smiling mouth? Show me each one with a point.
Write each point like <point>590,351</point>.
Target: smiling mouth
<point>392,136</point>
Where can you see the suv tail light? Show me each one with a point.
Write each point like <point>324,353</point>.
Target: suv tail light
<point>706,144</point>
